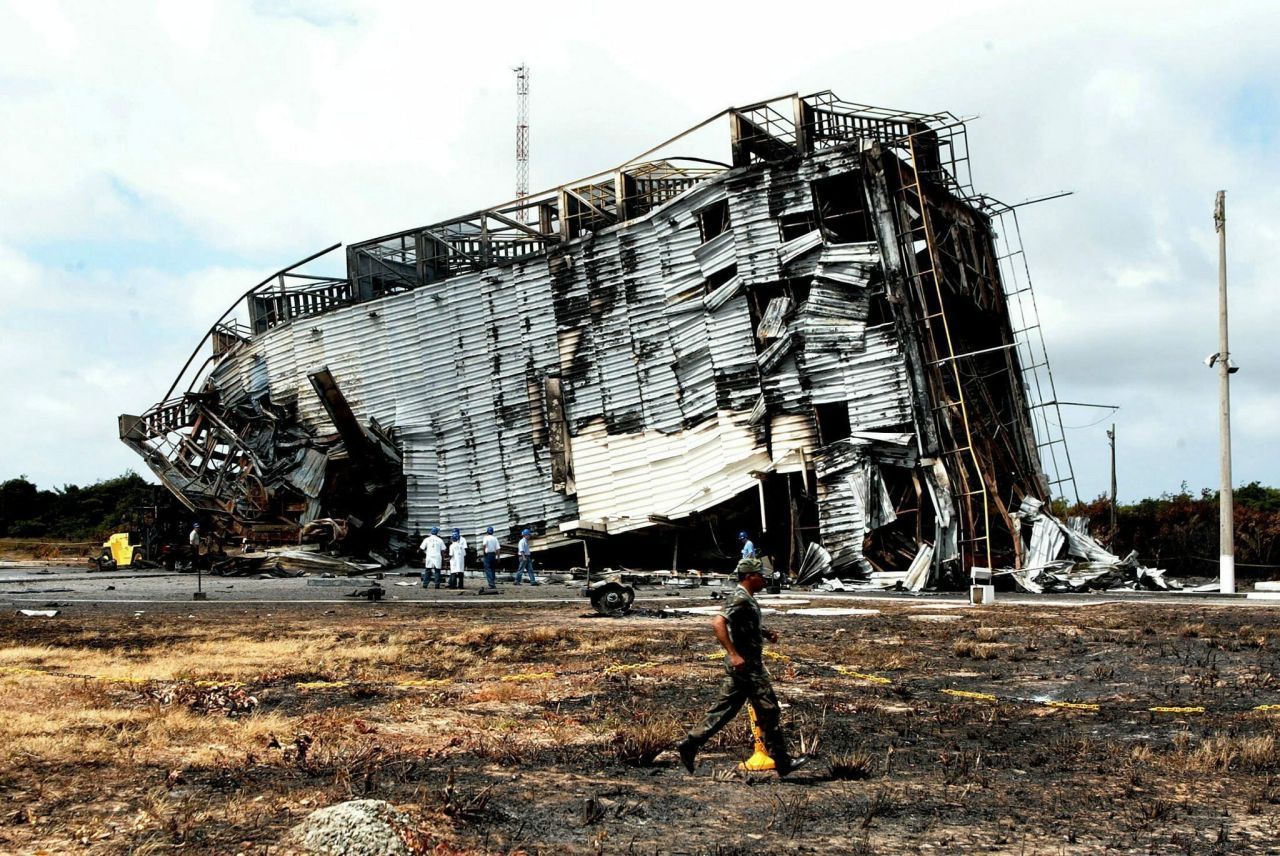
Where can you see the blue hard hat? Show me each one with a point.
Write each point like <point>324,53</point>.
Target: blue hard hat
<point>525,532</point>
<point>742,536</point>
<point>435,530</point>
<point>489,530</point>
<point>457,531</point>
<point>195,525</point>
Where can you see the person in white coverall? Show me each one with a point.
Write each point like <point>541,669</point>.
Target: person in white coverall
<point>457,558</point>
<point>433,548</point>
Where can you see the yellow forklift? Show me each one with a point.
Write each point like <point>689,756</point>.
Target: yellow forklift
<point>122,550</point>
<point>153,538</point>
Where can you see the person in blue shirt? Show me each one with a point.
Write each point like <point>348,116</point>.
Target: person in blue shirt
<point>525,555</point>
<point>748,549</point>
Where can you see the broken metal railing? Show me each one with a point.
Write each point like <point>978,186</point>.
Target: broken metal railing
<point>200,458</point>
<point>773,129</point>
<point>778,127</point>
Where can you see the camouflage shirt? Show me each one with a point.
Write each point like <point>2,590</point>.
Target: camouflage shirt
<point>742,614</point>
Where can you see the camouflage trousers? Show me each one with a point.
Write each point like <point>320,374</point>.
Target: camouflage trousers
<point>750,685</point>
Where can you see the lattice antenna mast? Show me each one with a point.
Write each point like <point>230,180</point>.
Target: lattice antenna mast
<point>522,131</point>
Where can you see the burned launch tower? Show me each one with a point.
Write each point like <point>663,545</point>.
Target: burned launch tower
<point>829,336</point>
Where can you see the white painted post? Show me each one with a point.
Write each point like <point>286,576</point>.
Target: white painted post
<point>1226,523</point>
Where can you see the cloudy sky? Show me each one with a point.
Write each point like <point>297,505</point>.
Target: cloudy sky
<point>160,158</point>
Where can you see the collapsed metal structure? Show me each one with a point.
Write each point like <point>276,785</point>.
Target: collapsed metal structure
<point>830,337</point>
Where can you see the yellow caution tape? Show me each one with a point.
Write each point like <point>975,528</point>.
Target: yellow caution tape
<point>122,679</point>
<point>972,695</point>
<point>862,676</point>
<point>231,685</point>
<point>772,655</point>
<point>1265,707</point>
<point>1072,705</point>
<point>320,685</point>
<point>424,682</point>
<point>630,667</point>
<point>1176,709</point>
<point>532,676</point>
<point>19,670</point>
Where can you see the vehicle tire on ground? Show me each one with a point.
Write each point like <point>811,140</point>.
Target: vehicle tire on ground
<point>613,598</point>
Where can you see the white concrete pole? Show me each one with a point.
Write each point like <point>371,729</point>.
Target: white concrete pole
<point>1226,523</point>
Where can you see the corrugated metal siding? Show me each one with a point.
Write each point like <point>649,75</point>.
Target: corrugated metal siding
<point>789,433</point>
<point>876,379</point>
<point>841,507</point>
<point>659,377</point>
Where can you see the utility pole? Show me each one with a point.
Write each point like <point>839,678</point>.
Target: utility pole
<point>1111,437</point>
<point>522,131</point>
<point>1226,523</point>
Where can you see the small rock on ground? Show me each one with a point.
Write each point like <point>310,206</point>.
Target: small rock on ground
<point>352,828</point>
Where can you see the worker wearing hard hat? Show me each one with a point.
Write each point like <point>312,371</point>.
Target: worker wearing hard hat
<point>525,555</point>
<point>457,558</point>
<point>432,548</point>
<point>489,554</point>
<point>748,549</point>
<point>194,540</point>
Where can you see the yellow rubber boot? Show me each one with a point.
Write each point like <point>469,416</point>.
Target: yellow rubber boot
<point>759,760</point>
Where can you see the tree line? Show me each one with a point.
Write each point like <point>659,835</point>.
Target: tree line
<point>73,513</point>
<point>1179,531</point>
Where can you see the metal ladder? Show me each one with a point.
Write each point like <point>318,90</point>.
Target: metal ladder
<point>936,331</point>
<point>1043,411</point>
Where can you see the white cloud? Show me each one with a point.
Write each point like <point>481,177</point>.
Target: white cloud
<point>162,157</point>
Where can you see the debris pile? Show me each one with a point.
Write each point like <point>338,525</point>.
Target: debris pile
<point>255,465</point>
<point>1063,557</point>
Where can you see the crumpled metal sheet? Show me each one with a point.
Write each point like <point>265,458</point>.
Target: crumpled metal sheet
<point>1094,568</point>
<point>774,320</point>
<point>852,499</point>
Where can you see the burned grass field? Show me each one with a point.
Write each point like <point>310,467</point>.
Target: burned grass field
<point>1011,729</point>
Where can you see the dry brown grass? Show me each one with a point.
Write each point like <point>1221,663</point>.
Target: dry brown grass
<point>159,772</point>
<point>1218,754</point>
<point>638,743</point>
<point>979,650</point>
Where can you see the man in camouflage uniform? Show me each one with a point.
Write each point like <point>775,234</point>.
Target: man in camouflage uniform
<point>739,630</point>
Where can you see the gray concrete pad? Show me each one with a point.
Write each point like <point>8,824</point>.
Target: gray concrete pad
<point>34,587</point>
